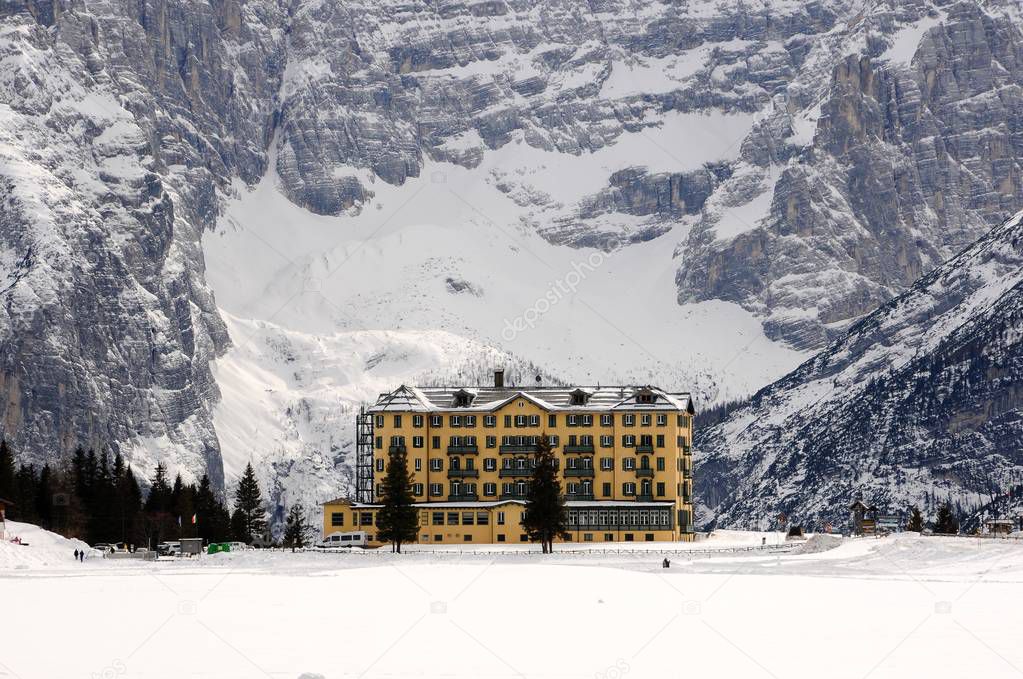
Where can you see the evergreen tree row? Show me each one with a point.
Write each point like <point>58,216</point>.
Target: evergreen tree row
<point>99,499</point>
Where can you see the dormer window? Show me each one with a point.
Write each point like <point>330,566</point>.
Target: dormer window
<point>463,398</point>
<point>646,397</point>
<point>579,397</point>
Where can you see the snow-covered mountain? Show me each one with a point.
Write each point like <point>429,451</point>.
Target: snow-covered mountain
<point>918,403</point>
<point>225,224</point>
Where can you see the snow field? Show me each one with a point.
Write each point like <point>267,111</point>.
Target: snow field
<point>895,607</point>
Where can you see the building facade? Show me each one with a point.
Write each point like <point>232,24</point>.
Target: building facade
<point>624,455</point>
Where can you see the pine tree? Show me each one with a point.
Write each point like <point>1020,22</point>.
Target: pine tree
<point>398,519</point>
<point>946,523</point>
<point>26,485</point>
<point>916,521</point>
<point>248,505</point>
<point>297,531</point>
<point>6,472</point>
<point>546,517</point>
<point>44,498</point>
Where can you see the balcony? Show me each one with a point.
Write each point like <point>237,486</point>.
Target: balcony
<point>644,498</point>
<point>519,450</point>
<point>397,449</point>
<point>513,496</point>
<point>463,498</point>
<point>644,473</point>
<point>644,448</point>
<point>514,472</point>
<point>579,449</point>
<point>579,471</point>
<point>463,450</point>
<point>579,496</point>
<point>463,473</point>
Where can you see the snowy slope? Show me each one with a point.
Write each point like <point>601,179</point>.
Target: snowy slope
<point>916,404</point>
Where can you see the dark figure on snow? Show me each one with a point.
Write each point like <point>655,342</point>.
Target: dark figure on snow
<point>76,555</point>
<point>81,556</point>
<point>665,563</point>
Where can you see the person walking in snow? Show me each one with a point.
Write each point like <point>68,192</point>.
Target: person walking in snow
<point>76,555</point>
<point>81,556</point>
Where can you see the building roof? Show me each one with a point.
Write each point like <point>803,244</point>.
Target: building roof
<point>484,399</point>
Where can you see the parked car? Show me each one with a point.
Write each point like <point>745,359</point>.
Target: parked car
<point>357,538</point>
<point>169,549</point>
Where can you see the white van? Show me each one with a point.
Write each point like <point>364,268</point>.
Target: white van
<point>358,538</point>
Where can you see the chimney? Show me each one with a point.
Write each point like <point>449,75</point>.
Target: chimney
<point>499,378</point>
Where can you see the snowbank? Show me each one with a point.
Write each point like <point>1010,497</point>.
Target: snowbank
<point>39,548</point>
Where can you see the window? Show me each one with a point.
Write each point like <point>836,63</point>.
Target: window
<point>365,518</point>
<point>436,465</point>
<point>573,488</point>
<point>380,421</point>
<point>649,537</point>
<point>553,440</point>
<point>500,537</point>
<point>491,442</point>
<point>468,518</point>
<point>489,464</point>
<point>470,420</point>
<point>660,440</point>
<point>337,519</point>
<point>507,420</point>
<point>571,420</point>
<point>644,419</point>
<point>417,489</point>
<point>490,489</point>
<point>482,518</point>
<point>417,420</point>
<point>455,420</point>
<point>436,420</point>
<point>552,420</point>
<point>380,443</point>
<point>606,490</point>
<point>607,463</point>
<point>452,518</point>
<point>628,440</point>
<point>467,538</point>
<point>435,442</point>
<point>500,520</point>
<point>629,420</point>
<point>417,441</point>
<point>523,538</point>
<point>587,420</point>
<point>628,488</point>
<point>380,464</point>
<point>397,421</point>
<point>436,490</point>
<point>606,420</point>
<point>534,420</point>
<point>606,441</point>
<point>489,420</point>
<point>520,420</point>
<point>628,463</point>
<point>660,489</point>
<point>660,464</point>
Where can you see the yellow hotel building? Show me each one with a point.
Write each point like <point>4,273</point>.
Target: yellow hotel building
<point>624,454</point>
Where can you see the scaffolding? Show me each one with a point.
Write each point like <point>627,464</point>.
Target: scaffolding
<point>364,456</point>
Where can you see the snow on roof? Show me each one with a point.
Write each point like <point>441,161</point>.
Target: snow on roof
<point>423,399</point>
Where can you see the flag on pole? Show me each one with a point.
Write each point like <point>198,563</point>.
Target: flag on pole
<point>193,519</point>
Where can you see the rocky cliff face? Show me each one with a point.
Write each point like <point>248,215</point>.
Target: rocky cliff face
<point>805,161</point>
<point>919,400</point>
<point>915,153</point>
<point>122,123</point>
